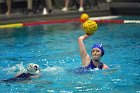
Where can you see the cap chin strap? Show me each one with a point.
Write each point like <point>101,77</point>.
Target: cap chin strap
<point>96,60</point>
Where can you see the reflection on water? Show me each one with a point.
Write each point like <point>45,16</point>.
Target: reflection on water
<point>55,49</point>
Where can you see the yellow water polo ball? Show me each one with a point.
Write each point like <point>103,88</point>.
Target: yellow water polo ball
<point>90,27</point>
<point>84,17</point>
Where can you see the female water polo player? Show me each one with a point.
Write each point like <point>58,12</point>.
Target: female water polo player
<point>97,52</point>
<point>33,71</point>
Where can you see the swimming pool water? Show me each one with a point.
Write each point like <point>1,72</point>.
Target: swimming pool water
<point>55,49</point>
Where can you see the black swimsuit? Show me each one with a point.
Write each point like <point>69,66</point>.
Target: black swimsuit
<point>21,77</point>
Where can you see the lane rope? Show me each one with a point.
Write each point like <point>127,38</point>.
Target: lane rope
<point>105,19</point>
<point>12,25</point>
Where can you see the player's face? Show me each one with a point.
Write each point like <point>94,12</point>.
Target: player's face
<point>96,53</point>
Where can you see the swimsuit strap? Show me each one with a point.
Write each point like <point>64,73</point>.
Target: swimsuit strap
<point>101,65</point>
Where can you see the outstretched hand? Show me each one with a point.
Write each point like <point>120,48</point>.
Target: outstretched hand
<point>86,35</point>
<point>83,37</point>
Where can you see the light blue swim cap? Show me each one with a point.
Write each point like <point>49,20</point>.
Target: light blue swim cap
<point>100,46</point>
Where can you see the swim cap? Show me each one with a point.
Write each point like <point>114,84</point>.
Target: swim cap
<point>100,46</point>
<point>33,68</point>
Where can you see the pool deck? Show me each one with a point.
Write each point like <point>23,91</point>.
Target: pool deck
<point>57,14</point>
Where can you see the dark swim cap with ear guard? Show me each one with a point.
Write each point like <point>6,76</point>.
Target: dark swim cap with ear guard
<point>100,46</point>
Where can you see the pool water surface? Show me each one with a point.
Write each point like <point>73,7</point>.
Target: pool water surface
<point>55,49</point>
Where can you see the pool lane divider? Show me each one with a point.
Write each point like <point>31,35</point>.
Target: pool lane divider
<point>25,24</point>
<point>51,22</point>
<point>12,25</point>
